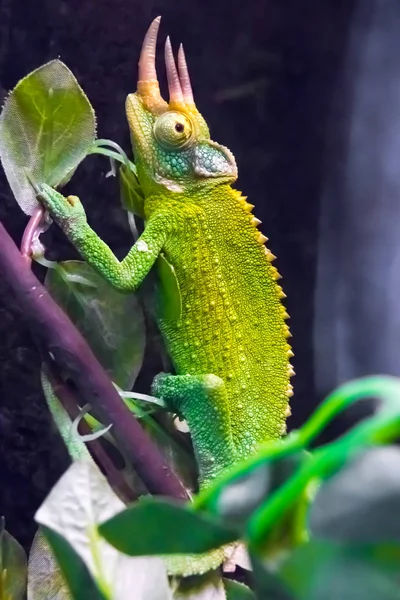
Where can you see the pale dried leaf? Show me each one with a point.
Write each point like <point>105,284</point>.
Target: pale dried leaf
<point>45,580</point>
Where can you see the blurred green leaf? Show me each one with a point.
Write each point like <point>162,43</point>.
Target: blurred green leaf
<point>69,517</point>
<point>111,322</point>
<point>154,526</point>
<point>47,127</point>
<point>13,566</point>
<point>358,503</point>
<point>324,571</point>
<point>243,494</point>
<point>45,578</point>
<point>237,591</point>
<point>267,585</point>
<point>249,487</point>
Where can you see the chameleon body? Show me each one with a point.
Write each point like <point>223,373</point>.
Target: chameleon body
<point>228,342</point>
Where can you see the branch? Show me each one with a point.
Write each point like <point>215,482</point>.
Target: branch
<point>71,353</point>
<point>68,401</point>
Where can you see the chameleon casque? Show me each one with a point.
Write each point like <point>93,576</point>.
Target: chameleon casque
<point>229,343</point>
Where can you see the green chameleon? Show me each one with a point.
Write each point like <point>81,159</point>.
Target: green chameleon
<point>228,342</point>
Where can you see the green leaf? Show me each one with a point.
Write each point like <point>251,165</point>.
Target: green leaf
<point>154,526</point>
<point>237,591</point>
<point>169,293</point>
<point>80,582</point>
<point>47,127</point>
<point>358,504</point>
<point>79,501</point>
<point>111,322</point>
<point>132,198</point>
<point>45,578</point>
<point>13,567</point>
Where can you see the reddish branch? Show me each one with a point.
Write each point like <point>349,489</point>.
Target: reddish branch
<point>72,355</point>
<point>68,400</point>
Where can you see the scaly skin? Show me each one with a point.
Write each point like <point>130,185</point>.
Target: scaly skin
<point>229,342</point>
<point>232,326</point>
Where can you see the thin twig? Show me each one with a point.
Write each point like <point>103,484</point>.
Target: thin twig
<point>71,353</point>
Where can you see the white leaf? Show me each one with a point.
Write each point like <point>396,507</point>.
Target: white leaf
<point>82,499</point>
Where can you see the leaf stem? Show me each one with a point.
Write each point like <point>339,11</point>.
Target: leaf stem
<point>29,234</point>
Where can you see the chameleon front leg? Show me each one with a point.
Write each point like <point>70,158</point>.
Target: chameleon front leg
<point>202,401</point>
<point>124,275</point>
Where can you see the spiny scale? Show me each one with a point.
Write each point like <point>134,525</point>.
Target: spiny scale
<point>254,221</point>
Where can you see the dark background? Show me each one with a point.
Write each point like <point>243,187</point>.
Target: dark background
<point>306,93</point>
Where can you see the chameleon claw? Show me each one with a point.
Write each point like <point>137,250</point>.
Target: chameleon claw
<point>73,200</point>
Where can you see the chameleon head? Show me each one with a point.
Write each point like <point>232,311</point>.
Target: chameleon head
<point>171,141</point>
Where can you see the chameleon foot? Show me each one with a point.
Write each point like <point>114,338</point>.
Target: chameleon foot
<point>202,401</point>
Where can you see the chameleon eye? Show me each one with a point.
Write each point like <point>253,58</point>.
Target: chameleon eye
<point>173,129</point>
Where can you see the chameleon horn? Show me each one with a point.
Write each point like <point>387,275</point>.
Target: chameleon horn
<point>174,85</point>
<point>147,60</point>
<point>184,77</point>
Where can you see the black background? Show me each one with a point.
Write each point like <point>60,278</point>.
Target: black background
<point>276,81</point>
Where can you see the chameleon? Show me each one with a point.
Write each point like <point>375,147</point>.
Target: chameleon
<point>228,342</point>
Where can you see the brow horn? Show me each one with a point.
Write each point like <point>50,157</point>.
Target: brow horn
<point>184,77</point>
<point>174,85</point>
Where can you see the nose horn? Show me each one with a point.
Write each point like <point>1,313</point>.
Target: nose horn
<point>148,87</point>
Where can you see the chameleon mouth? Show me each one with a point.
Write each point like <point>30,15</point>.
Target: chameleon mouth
<point>179,86</point>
